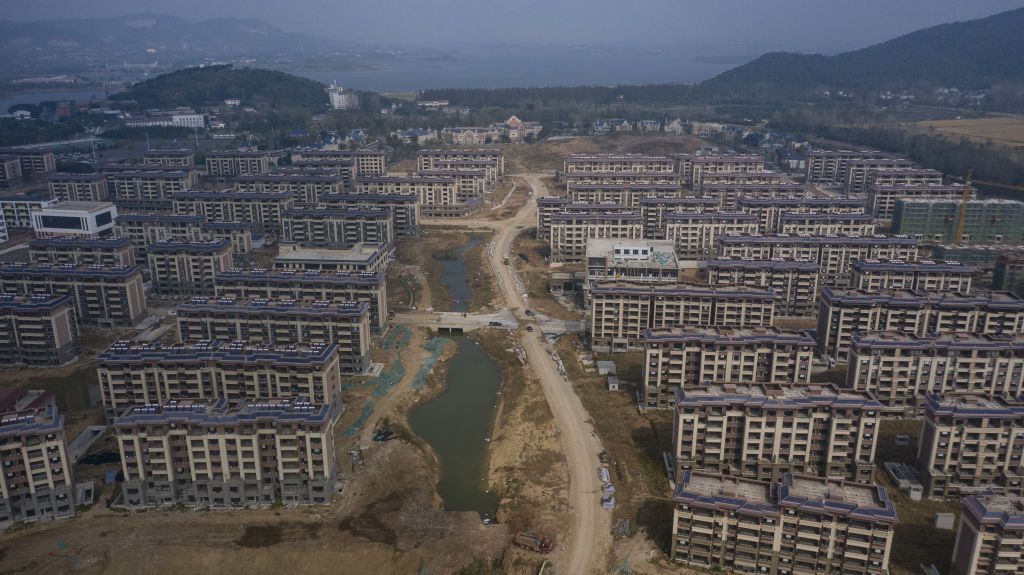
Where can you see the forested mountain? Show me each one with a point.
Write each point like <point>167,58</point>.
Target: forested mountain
<point>973,54</point>
<point>197,87</point>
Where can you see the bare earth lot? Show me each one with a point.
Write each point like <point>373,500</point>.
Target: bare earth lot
<point>1004,130</point>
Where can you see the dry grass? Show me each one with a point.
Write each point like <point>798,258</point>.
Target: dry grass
<point>526,466</point>
<point>916,540</point>
<point>634,443</point>
<point>422,257</point>
<point>1005,130</point>
<point>529,253</point>
<point>547,155</point>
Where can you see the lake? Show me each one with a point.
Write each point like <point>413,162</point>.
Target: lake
<point>517,67</point>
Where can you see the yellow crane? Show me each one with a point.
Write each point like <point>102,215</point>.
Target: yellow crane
<point>963,207</point>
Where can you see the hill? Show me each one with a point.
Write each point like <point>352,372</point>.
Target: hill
<point>972,54</point>
<point>211,85</point>
<point>44,44</point>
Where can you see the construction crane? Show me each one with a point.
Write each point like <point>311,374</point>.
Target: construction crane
<point>963,207</point>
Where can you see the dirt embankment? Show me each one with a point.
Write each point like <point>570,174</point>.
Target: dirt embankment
<point>526,467</point>
<point>634,443</point>
<point>386,520</point>
<point>548,154</point>
<point>419,263</point>
<point>530,254</point>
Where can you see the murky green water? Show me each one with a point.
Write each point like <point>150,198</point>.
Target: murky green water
<point>455,275</point>
<point>457,425</point>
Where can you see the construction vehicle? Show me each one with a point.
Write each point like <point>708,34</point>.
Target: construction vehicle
<point>534,542</point>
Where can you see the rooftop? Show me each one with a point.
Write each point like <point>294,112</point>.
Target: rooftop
<point>81,206</point>
<point>363,252</point>
<point>222,412</point>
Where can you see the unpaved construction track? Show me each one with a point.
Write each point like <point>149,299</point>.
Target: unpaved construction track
<point>589,538</point>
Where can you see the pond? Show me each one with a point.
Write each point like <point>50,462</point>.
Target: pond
<point>457,425</point>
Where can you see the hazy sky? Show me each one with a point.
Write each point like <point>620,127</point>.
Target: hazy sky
<point>717,26</point>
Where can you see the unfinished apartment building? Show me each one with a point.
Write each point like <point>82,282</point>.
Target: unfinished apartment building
<point>141,373</point>
<point>794,283</point>
<point>655,209</point>
<point>686,357</point>
<point>481,173</point>
<point>833,254</point>
<point>220,453</point>
<point>628,195</point>
<point>799,525</point>
<point>264,210</point>
<point>336,227</point>
<point>37,483</point>
<point>828,167</point>
<point>231,163</point>
<point>550,205</point>
<point>826,224</point>
<point>17,210</point>
<point>570,230</point>
<point>336,287</point>
<point>744,178</point>
<point>988,541</point>
<point>404,209</point>
<point>490,159</point>
<point>238,233</point>
<point>843,313</point>
<point>621,312</point>
<point>38,330</point>
<point>82,251</point>
<point>693,167</point>
<point>363,162</point>
<point>576,180</point>
<point>882,197</point>
<point>281,322</point>
<point>769,211</point>
<point>79,187</point>
<point>639,261</point>
<point>695,234</point>
<point>438,195</point>
<point>902,369</point>
<point>637,163</point>
<point>366,257</point>
<point>921,275</point>
<point>306,187</point>
<point>10,171</point>
<point>103,295</point>
<point>860,173</point>
<point>179,157</point>
<point>180,269</point>
<point>34,161</point>
<point>148,228</point>
<point>969,444</point>
<point>730,195</point>
<point>762,431</point>
<point>148,189</point>
<point>471,184</point>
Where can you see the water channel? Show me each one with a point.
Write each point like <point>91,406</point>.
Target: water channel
<point>455,275</point>
<point>457,423</point>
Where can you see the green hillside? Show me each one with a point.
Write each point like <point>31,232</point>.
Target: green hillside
<point>197,87</point>
<point>973,54</point>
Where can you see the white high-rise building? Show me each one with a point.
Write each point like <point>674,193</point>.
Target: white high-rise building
<point>340,99</point>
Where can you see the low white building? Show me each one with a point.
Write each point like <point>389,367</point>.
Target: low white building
<point>188,121</point>
<point>83,219</point>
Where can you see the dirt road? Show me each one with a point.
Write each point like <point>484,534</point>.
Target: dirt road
<point>589,540</point>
